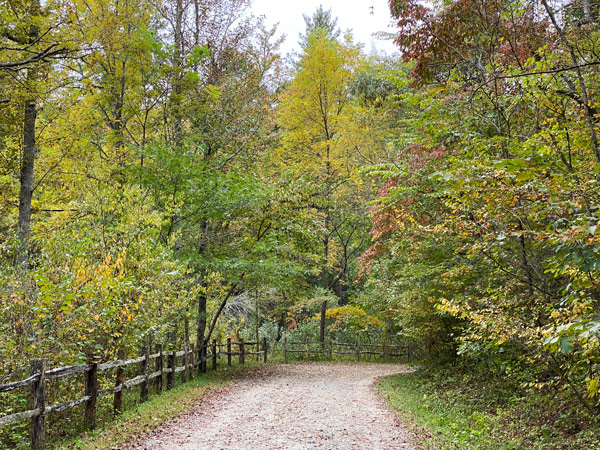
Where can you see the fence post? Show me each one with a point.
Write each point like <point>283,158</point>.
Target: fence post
<point>214,354</point>
<point>285,352</point>
<point>144,371</point>
<point>171,373</point>
<point>192,355</point>
<point>306,349</point>
<point>159,368</point>
<point>119,379</point>
<point>184,374</point>
<point>229,351</point>
<point>357,348</point>
<point>265,350</point>
<point>242,351</point>
<point>330,349</point>
<point>408,352</point>
<point>37,400</point>
<point>91,390</point>
<point>384,354</point>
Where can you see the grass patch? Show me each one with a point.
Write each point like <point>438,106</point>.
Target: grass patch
<point>458,412</point>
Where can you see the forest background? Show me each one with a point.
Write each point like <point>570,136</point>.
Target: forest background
<point>162,168</point>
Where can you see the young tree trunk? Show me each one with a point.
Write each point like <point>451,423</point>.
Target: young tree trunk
<point>178,67</point>
<point>324,281</point>
<point>27,171</point>
<point>201,325</point>
<point>29,152</point>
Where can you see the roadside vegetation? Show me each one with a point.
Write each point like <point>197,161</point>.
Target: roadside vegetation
<point>452,408</point>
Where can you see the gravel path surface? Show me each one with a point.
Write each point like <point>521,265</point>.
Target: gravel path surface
<point>309,406</point>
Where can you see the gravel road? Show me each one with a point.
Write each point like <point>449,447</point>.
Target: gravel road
<point>307,406</point>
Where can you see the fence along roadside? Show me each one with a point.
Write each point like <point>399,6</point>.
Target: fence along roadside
<point>192,359</point>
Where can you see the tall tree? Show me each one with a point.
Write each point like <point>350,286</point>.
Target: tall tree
<point>29,42</point>
<point>319,140</point>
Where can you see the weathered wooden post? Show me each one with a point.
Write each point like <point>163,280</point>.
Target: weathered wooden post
<point>306,349</point>
<point>37,400</point>
<point>242,351</point>
<point>214,354</point>
<point>171,372</point>
<point>91,391</point>
<point>408,351</point>
<point>119,379</point>
<point>158,364</point>
<point>357,348</point>
<point>264,350</point>
<point>330,349</point>
<point>144,371</point>
<point>191,361</point>
<point>184,360</point>
<point>384,352</point>
<point>285,352</point>
<point>229,351</point>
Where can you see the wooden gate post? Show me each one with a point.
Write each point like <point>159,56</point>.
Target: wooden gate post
<point>119,379</point>
<point>37,400</point>
<point>242,351</point>
<point>91,390</point>
<point>144,371</point>
<point>264,350</point>
<point>330,349</point>
<point>306,349</point>
<point>357,348</point>
<point>285,352</point>
<point>159,368</point>
<point>171,373</point>
<point>384,354</point>
<point>214,354</point>
<point>229,351</point>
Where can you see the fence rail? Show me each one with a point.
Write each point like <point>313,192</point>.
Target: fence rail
<point>166,365</point>
<point>329,348</point>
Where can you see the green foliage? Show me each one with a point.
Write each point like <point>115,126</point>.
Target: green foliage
<point>466,411</point>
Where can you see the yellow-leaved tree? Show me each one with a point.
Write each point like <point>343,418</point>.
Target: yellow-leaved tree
<point>321,148</point>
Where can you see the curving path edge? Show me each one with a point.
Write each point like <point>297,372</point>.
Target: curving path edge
<point>299,406</point>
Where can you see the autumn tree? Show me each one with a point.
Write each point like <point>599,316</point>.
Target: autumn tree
<point>319,146</point>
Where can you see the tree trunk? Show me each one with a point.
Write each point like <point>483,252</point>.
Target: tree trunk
<point>201,325</point>
<point>27,171</point>
<point>178,66</point>
<point>324,281</point>
<point>29,152</point>
<point>322,327</point>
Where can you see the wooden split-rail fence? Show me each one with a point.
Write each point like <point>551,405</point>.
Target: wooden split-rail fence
<point>165,364</point>
<point>357,349</point>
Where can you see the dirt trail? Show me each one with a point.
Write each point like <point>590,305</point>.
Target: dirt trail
<point>312,406</point>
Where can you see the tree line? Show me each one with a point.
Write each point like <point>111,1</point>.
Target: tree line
<point>163,167</point>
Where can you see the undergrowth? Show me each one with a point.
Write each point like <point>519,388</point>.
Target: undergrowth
<point>455,410</point>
